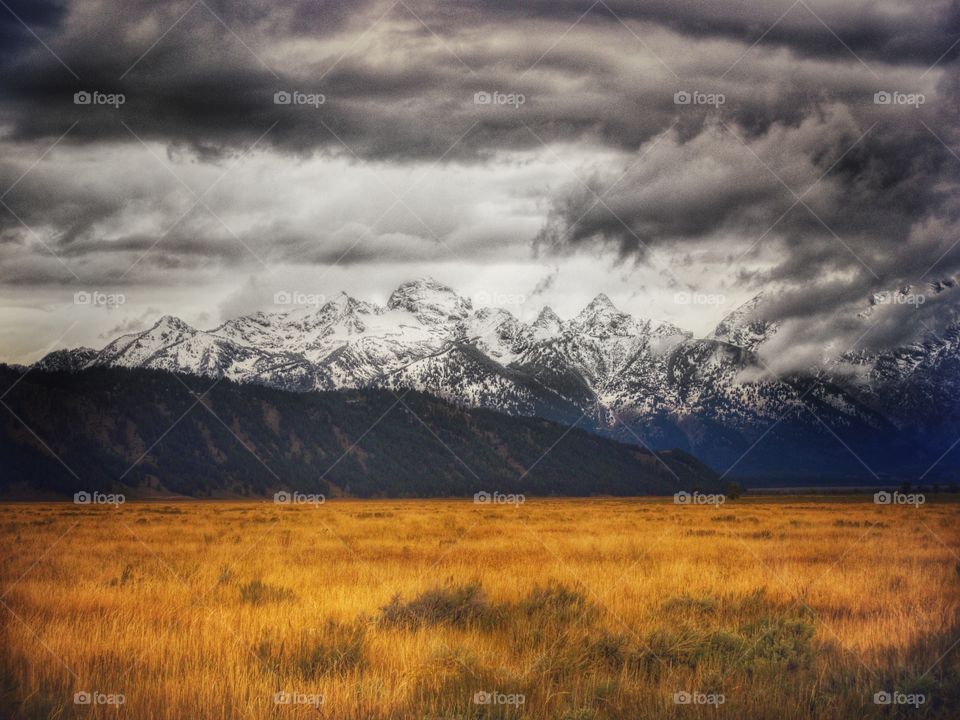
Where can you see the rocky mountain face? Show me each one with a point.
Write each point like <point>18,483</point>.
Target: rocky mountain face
<point>640,381</point>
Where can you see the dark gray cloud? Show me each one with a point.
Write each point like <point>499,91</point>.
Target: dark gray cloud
<point>901,32</point>
<point>406,91</point>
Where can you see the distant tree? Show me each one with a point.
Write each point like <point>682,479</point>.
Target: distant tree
<point>734,490</point>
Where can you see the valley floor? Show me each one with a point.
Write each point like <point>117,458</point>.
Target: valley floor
<point>774,607</point>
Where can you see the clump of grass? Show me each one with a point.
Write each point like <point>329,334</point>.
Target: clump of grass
<point>126,577</point>
<point>583,713</point>
<point>724,518</point>
<point>691,604</point>
<point>257,592</point>
<point>455,659</point>
<point>339,649</point>
<point>559,604</point>
<point>332,649</point>
<point>782,641</point>
<point>610,649</point>
<point>846,523</point>
<point>753,603</point>
<point>673,646</point>
<point>461,606</point>
<point>165,510</point>
<point>226,575</point>
<point>692,647</point>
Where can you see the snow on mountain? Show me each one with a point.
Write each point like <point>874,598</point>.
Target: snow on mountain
<point>640,380</point>
<point>67,360</point>
<point>745,327</point>
<point>498,333</point>
<point>430,301</point>
<point>601,319</point>
<point>547,324</point>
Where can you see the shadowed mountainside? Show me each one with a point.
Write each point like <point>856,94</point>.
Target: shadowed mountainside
<point>152,431</point>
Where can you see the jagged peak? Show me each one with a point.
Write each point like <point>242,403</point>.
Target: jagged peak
<point>743,311</point>
<point>424,282</point>
<point>347,303</point>
<point>601,302</point>
<point>547,318</point>
<point>429,299</point>
<point>745,326</point>
<point>752,302</point>
<point>488,312</point>
<point>171,322</point>
<point>600,310</point>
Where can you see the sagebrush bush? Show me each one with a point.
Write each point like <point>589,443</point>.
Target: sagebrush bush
<point>462,606</point>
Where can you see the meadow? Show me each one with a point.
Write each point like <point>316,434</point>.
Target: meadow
<point>780,608</point>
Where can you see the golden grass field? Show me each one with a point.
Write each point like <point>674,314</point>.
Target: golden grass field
<point>602,608</point>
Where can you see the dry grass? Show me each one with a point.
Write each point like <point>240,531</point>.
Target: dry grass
<point>790,608</point>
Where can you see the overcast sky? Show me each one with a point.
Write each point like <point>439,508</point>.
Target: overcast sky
<point>680,156</point>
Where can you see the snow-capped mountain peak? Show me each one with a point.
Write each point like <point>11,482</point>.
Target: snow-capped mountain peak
<point>600,304</point>
<point>548,323</point>
<point>430,301</point>
<point>602,318</point>
<point>745,326</point>
<point>171,323</point>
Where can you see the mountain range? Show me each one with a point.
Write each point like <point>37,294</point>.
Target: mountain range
<point>863,417</point>
<point>150,433</point>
